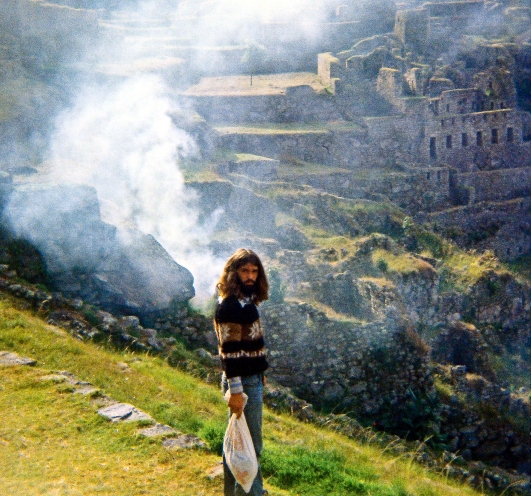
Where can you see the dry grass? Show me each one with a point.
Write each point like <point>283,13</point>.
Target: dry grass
<point>270,84</point>
<point>403,263</point>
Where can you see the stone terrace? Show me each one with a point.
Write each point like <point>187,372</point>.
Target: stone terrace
<point>259,85</point>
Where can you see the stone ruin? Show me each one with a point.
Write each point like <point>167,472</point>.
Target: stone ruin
<point>446,142</point>
<point>453,129</point>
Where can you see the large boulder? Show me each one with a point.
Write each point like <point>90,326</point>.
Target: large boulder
<point>120,270</point>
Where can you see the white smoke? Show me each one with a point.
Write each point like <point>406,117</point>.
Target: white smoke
<point>121,140</point>
<point>118,135</point>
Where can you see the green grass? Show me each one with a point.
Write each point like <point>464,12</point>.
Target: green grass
<point>53,441</point>
<point>463,269</point>
<point>323,471</point>
<point>290,128</point>
<point>521,266</point>
<point>403,263</point>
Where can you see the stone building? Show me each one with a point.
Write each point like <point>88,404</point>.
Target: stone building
<point>413,27</point>
<point>462,146</point>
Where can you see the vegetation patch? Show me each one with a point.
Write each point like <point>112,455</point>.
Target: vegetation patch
<point>403,263</point>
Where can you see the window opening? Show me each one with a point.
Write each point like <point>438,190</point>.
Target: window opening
<point>433,148</point>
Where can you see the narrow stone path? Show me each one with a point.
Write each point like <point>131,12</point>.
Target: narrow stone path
<point>110,408</point>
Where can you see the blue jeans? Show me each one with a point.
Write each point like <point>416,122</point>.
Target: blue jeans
<point>253,387</point>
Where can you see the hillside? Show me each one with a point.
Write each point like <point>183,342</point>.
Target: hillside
<point>376,155</point>
<point>54,442</point>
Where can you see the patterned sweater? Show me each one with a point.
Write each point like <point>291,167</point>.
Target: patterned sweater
<point>240,339</point>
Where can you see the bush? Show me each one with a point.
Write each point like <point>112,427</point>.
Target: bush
<point>382,265</point>
<point>91,316</point>
<point>213,434</point>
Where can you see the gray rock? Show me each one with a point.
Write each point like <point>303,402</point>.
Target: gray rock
<point>158,430</point>
<point>205,355</point>
<point>10,359</point>
<point>130,321</point>
<point>88,259</point>
<point>123,412</point>
<point>185,441</point>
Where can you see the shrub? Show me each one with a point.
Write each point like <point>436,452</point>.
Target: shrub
<point>382,265</point>
<point>213,434</point>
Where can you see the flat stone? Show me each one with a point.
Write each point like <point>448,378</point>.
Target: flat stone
<point>158,430</point>
<point>123,412</point>
<point>86,390</point>
<point>10,359</point>
<point>185,441</point>
<point>215,472</point>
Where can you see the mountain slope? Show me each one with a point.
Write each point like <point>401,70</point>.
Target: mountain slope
<point>53,441</point>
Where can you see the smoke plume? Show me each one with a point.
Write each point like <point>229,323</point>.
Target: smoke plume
<point>117,134</point>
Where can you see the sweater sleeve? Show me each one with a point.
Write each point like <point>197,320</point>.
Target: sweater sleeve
<point>235,385</point>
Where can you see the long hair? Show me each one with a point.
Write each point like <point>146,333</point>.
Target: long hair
<point>229,282</point>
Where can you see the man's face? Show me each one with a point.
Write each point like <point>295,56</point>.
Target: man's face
<point>248,274</point>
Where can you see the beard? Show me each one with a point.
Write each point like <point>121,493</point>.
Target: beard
<point>248,290</point>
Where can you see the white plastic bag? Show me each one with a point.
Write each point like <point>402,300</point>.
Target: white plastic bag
<point>239,452</point>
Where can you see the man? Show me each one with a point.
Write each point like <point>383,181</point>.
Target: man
<point>241,287</point>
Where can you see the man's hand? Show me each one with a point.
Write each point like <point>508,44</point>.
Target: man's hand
<point>236,404</point>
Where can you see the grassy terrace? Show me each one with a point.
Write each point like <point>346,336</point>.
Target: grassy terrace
<point>290,128</point>
<point>262,85</point>
<point>53,442</point>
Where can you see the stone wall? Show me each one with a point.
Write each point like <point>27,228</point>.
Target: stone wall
<point>328,69</point>
<point>497,185</point>
<point>499,226</point>
<point>490,438</point>
<point>320,146</point>
<point>366,368</point>
<point>412,27</point>
<point>389,83</point>
<point>259,168</point>
<point>417,188</point>
<point>392,140</point>
<point>301,104</point>
<point>488,140</point>
<point>453,9</point>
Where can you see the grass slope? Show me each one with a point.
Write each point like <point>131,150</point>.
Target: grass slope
<point>52,442</point>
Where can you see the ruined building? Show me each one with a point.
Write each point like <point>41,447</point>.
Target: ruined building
<point>437,123</point>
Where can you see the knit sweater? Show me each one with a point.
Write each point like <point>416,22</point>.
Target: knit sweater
<point>240,338</point>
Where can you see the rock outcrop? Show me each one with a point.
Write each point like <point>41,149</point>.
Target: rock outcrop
<point>120,270</point>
